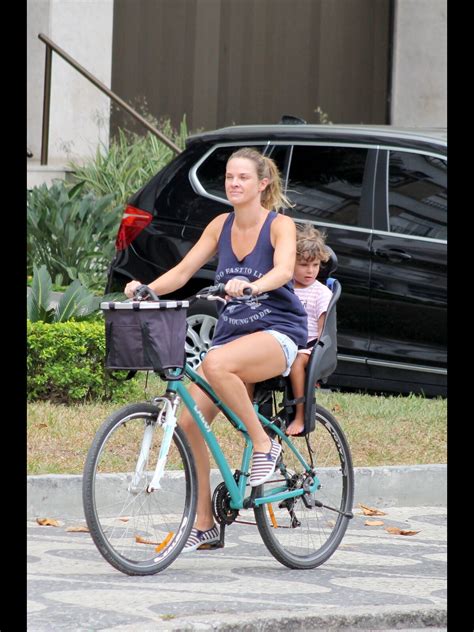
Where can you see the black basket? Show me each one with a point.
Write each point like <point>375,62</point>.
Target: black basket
<point>146,336</point>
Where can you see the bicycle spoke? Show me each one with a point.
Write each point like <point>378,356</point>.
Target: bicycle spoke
<point>122,517</point>
<point>310,527</point>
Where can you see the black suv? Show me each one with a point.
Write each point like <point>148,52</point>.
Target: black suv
<point>380,195</point>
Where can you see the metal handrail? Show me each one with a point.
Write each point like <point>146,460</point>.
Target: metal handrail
<point>50,46</point>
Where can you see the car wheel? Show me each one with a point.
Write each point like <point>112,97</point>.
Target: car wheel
<point>202,319</point>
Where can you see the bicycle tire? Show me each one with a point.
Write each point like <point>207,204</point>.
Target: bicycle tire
<point>302,537</point>
<point>138,532</point>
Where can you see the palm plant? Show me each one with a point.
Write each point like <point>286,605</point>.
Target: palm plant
<point>71,234</point>
<point>76,303</point>
<point>128,162</point>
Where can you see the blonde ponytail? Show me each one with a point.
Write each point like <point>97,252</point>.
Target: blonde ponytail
<point>273,197</point>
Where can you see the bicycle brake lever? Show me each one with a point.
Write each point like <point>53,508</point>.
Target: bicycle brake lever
<point>210,297</point>
<point>209,294</point>
<point>216,298</point>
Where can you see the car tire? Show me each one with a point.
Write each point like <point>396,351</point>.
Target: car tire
<point>201,319</point>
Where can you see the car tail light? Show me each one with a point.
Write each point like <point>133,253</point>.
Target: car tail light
<point>134,220</point>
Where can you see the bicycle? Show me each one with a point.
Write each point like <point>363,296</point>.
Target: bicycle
<point>141,520</point>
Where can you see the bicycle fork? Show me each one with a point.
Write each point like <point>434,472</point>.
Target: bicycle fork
<point>167,419</point>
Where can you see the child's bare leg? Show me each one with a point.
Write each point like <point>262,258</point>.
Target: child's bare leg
<point>297,378</point>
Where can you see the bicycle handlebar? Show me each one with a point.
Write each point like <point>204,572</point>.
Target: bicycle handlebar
<point>214,292</point>
<point>143,292</point>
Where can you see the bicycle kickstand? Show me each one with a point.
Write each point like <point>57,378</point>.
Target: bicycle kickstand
<point>220,545</point>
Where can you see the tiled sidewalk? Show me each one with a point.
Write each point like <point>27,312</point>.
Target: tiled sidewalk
<point>374,580</point>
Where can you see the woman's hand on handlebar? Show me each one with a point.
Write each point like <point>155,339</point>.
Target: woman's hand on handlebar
<point>130,288</point>
<point>219,291</point>
<point>238,287</point>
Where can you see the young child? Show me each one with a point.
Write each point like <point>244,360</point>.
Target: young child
<point>310,252</point>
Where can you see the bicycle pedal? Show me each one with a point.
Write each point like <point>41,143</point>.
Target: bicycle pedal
<point>211,546</point>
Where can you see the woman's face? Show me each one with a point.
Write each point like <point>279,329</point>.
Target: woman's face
<point>241,181</point>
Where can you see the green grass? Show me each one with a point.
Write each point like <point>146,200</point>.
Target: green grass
<point>390,430</point>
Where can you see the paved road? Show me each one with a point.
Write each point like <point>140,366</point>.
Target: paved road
<point>374,581</point>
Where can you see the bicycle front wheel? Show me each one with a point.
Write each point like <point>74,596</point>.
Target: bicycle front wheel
<point>303,532</point>
<point>137,531</point>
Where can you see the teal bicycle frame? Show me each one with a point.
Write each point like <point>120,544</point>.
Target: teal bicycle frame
<point>235,488</point>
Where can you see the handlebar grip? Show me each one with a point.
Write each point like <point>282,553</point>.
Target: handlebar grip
<point>218,290</point>
<point>143,292</point>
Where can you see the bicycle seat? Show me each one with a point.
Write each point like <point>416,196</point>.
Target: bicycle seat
<point>323,358</point>
<point>328,268</point>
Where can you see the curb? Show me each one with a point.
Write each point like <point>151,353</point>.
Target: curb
<point>385,618</point>
<point>390,486</point>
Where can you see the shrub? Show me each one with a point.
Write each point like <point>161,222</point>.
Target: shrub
<point>71,233</point>
<point>65,363</point>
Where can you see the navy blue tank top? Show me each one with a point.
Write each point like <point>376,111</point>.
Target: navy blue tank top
<point>278,309</point>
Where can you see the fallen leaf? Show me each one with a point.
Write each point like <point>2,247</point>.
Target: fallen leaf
<point>374,523</point>
<point>42,426</point>
<point>78,529</point>
<point>124,519</point>
<point>371,511</point>
<point>397,531</point>
<point>336,408</point>
<point>47,522</point>
<point>140,540</point>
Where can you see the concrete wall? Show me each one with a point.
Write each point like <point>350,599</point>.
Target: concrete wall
<point>79,115</point>
<point>419,81</point>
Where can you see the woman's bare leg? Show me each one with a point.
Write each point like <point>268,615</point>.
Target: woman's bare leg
<point>249,359</point>
<point>250,389</point>
<point>297,378</point>
<point>204,517</point>
<point>253,361</point>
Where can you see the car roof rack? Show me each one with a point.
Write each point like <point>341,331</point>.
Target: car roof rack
<point>288,119</point>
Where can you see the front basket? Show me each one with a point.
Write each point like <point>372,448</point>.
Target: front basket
<point>146,336</point>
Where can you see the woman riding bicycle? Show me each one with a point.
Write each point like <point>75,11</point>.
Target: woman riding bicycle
<point>256,338</point>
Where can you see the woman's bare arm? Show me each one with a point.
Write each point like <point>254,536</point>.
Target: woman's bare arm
<point>283,235</point>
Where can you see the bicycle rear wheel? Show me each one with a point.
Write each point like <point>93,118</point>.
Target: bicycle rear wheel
<point>305,531</point>
<point>136,531</point>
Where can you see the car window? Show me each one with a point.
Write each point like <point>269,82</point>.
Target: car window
<point>325,183</point>
<point>417,195</point>
<point>212,171</point>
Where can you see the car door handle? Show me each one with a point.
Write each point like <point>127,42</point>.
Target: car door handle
<point>392,254</point>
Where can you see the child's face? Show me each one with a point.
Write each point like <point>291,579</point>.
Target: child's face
<point>306,272</point>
